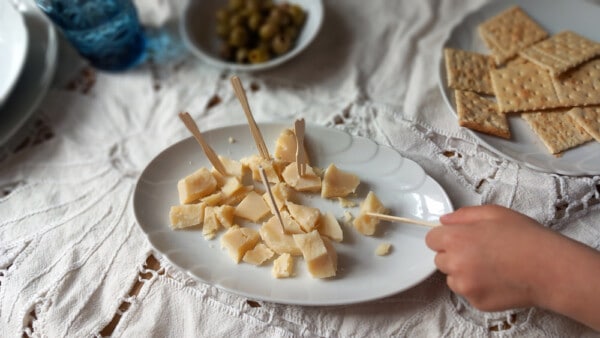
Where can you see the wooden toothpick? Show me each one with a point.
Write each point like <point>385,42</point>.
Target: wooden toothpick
<point>210,153</point>
<point>299,127</point>
<point>402,219</point>
<point>240,93</point>
<point>263,175</point>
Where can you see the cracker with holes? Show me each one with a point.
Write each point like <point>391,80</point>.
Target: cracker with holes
<point>509,32</point>
<point>523,87</point>
<point>581,86</point>
<point>561,52</point>
<point>479,113</point>
<point>589,119</point>
<point>557,130</point>
<point>468,70</point>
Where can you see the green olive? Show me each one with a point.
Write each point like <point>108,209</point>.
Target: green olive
<point>238,37</point>
<point>254,21</point>
<point>281,44</point>
<point>237,20</point>
<point>267,31</point>
<point>258,55</point>
<point>241,55</point>
<point>291,32</point>
<point>298,15</point>
<point>222,15</point>
<point>236,4</point>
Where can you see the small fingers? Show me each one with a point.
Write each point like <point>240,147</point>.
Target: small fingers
<point>473,214</point>
<point>433,239</point>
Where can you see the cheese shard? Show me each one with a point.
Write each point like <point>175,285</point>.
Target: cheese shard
<point>285,146</point>
<point>338,183</point>
<point>283,266</point>
<point>238,241</point>
<point>186,215</point>
<point>289,224</point>
<point>252,207</point>
<point>260,254</point>
<point>195,186</point>
<point>309,182</point>
<point>254,162</point>
<point>233,168</point>
<point>225,214</point>
<point>211,223</point>
<point>364,223</point>
<point>319,254</point>
<point>230,186</point>
<point>280,193</point>
<point>307,217</point>
<point>280,242</point>
<point>238,196</point>
<point>383,249</point>
<point>213,199</point>
<point>328,226</point>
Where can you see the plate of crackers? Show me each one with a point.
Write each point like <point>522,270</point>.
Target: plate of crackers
<point>524,77</point>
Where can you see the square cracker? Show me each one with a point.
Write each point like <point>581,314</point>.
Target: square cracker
<point>589,119</point>
<point>509,32</point>
<point>468,70</point>
<point>523,87</point>
<point>561,52</point>
<point>557,130</point>
<point>480,114</point>
<point>581,86</point>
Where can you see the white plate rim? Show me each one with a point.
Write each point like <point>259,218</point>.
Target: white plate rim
<point>565,165</point>
<point>36,76</point>
<point>231,66</point>
<point>430,268</point>
<point>17,43</point>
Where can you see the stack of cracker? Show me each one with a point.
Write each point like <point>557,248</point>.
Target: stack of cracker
<point>552,82</point>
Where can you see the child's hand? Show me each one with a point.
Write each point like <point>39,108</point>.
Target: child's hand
<point>500,259</point>
<point>491,256</point>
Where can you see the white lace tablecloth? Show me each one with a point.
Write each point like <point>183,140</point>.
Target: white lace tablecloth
<point>74,263</point>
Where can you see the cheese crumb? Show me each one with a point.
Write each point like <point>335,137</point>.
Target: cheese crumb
<point>383,249</point>
<point>231,140</point>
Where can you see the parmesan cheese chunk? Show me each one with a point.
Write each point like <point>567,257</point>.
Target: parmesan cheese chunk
<point>283,266</point>
<point>195,186</point>
<point>252,207</point>
<point>280,242</point>
<point>383,249</point>
<point>225,214</point>
<point>364,223</point>
<point>238,241</point>
<point>260,254</point>
<point>307,217</point>
<point>280,193</point>
<point>328,226</point>
<point>338,183</point>
<point>186,215</point>
<point>319,254</point>
<point>211,223</point>
<point>255,162</point>
<point>286,145</point>
<point>309,182</point>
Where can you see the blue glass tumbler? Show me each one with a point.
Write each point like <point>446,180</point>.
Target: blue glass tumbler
<point>105,32</point>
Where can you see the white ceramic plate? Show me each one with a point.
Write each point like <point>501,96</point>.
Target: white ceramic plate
<point>198,30</point>
<point>401,184</point>
<point>35,78</point>
<point>13,44</point>
<point>525,147</point>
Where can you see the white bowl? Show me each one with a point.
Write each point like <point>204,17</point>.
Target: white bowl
<point>14,42</point>
<point>198,29</point>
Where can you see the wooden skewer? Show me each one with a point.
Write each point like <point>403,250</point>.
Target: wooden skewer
<point>210,153</point>
<point>263,175</point>
<point>299,127</point>
<point>402,219</point>
<point>240,93</point>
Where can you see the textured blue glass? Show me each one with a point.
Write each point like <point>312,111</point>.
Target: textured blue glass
<point>106,32</point>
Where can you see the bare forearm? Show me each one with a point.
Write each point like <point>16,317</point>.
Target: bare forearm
<point>569,281</point>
